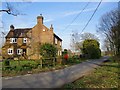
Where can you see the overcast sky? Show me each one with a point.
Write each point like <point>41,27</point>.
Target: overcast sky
<point>60,14</point>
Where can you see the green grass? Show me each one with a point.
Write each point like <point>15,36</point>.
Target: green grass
<point>105,76</point>
<point>0,57</point>
<point>32,66</point>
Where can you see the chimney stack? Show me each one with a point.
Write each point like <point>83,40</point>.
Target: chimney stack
<point>40,19</point>
<point>12,27</point>
<point>51,27</point>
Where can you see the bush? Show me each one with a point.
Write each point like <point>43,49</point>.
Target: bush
<point>18,68</point>
<point>91,48</point>
<point>6,63</point>
<point>48,50</point>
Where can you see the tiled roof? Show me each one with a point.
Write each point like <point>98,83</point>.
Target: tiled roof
<point>21,32</point>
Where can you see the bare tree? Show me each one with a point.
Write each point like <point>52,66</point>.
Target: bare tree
<point>109,26</point>
<point>13,8</point>
<point>10,9</point>
<point>89,36</point>
<point>77,39</point>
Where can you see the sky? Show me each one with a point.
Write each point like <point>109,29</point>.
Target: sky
<point>60,14</point>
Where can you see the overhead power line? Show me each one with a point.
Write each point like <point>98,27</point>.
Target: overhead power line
<point>77,16</point>
<point>91,16</point>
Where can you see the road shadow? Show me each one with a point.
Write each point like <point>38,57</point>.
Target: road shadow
<point>108,65</point>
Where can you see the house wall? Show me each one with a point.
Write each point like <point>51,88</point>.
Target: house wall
<point>5,51</point>
<point>40,35</point>
<point>59,47</point>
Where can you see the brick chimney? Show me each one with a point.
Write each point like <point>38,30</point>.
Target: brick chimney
<point>40,19</point>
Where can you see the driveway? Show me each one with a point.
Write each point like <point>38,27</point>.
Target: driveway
<point>52,79</point>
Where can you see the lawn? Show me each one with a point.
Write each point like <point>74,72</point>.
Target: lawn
<point>105,76</point>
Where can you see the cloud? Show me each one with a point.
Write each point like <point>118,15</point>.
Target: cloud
<point>48,20</point>
<point>76,12</point>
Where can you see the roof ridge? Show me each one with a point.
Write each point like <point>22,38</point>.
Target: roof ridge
<point>22,28</point>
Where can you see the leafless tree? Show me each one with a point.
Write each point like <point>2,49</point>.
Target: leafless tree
<point>77,39</point>
<point>89,36</point>
<point>109,26</point>
<point>10,9</point>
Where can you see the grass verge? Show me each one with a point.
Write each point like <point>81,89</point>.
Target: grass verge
<point>105,76</point>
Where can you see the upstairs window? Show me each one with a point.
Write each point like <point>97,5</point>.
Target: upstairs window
<point>10,51</point>
<point>55,40</point>
<point>13,40</point>
<point>60,43</point>
<point>19,51</point>
<point>24,40</point>
<point>43,30</point>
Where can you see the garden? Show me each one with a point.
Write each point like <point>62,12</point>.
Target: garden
<point>49,61</point>
<point>22,67</point>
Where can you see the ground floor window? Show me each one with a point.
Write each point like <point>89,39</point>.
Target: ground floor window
<point>59,53</point>
<point>19,51</point>
<point>10,51</point>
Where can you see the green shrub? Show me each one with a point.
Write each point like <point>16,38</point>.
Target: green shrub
<point>27,68</point>
<point>91,49</point>
<point>7,68</point>
<point>48,50</point>
<point>6,63</point>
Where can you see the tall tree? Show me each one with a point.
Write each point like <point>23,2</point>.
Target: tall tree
<point>110,27</point>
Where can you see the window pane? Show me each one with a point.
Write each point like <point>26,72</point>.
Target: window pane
<point>10,51</point>
<point>24,40</point>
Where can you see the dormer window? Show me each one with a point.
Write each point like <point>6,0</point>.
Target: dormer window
<point>13,40</point>
<point>24,40</point>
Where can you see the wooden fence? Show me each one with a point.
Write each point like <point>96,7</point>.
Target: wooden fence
<point>42,62</point>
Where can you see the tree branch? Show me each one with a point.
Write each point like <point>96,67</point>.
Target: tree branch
<point>8,11</point>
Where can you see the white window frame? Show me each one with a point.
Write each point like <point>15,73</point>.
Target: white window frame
<point>55,40</point>
<point>24,40</point>
<point>13,40</point>
<point>10,51</point>
<point>19,51</point>
<point>43,29</point>
<point>60,43</point>
<point>60,53</point>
